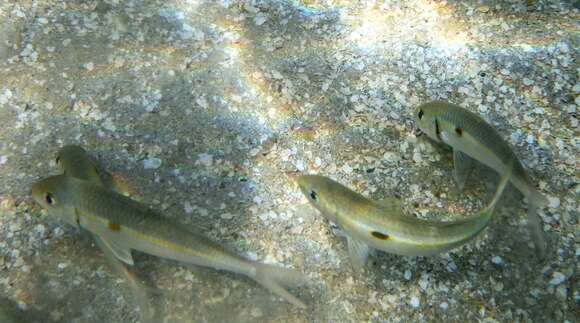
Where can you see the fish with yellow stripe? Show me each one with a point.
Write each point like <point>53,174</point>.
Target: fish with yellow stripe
<point>471,138</point>
<point>125,225</point>
<point>370,225</point>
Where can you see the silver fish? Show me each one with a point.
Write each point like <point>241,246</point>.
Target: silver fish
<point>129,225</point>
<point>473,138</point>
<point>368,224</point>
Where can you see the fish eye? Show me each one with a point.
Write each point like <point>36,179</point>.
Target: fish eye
<point>459,131</point>
<point>420,115</point>
<point>49,199</point>
<point>313,195</point>
<point>57,160</point>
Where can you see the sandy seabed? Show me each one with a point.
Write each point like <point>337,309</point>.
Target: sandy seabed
<point>204,107</point>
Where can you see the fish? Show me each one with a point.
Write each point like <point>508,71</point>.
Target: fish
<point>471,138</point>
<point>74,161</point>
<point>128,225</point>
<point>370,225</point>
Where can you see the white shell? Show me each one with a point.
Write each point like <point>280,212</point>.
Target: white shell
<point>444,136</point>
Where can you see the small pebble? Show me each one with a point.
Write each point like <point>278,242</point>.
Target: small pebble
<point>497,260</point>
<point>415,302</point>
<point>562,292</point>
<point>205,160</point>
<point>152,163</point>
<point>187,207</point>
<point>557,278</point>
<point>554,202</point>
<point>260,19</point>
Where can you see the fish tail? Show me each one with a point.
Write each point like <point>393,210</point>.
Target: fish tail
<point>499,192</point>
<point>536,231</point>
<point>537,200</point>
<point>276,278</point>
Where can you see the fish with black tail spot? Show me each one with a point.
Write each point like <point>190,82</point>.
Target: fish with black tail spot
<point>370,225</point>
<point>125,225</point>
<point>471,138</point>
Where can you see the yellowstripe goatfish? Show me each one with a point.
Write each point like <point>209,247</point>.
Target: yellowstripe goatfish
<point>471,137</point>
<point>127,225</point>
<point>75,162</point>
<point>368,224</point>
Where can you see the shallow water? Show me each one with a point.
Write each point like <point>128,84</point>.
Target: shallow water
<point>203,107</point>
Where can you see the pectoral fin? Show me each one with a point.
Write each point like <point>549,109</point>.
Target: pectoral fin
<point>121,252</point>
<point>337,231</point>
<point>463,165</point>
<point>358,252</point>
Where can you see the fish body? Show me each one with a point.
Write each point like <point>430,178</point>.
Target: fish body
<point>129,225</point>
<point>368,224</point>
<point>471,137</point>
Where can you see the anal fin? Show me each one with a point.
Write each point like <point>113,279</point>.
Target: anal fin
<point>358,252</point>
<point>463,165</point>
<point>122,253</point>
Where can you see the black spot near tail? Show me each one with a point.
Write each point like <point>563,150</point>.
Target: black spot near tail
<point>380,235</point>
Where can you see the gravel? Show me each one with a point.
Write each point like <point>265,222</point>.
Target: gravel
<point>206,107</point>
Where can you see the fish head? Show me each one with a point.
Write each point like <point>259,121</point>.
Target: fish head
<point>51,193</point>
<point>426,119</point>
<point>319,192</point>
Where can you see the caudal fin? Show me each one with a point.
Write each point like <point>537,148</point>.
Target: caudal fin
<point>536,231</point>
<point>536,201</point>
<point>276,278</point>
<point>500,188</point>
